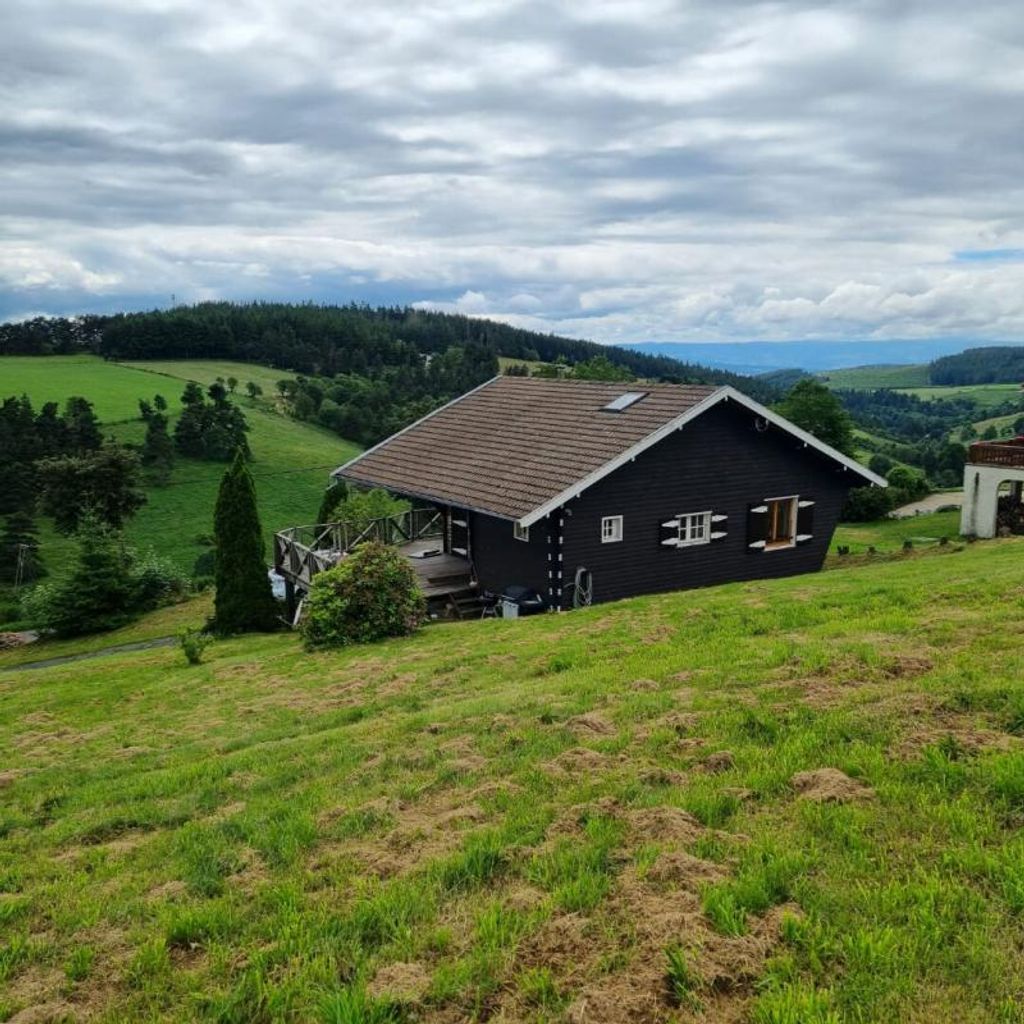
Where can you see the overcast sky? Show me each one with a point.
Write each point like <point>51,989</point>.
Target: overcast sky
<point>624,170</point>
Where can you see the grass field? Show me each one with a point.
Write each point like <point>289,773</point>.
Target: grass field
<point>986,395</point>
<point>592,817</point>
<point>887,535</point>
<point>206,371</point>
<point>291,460</point>
<point>910,375</point>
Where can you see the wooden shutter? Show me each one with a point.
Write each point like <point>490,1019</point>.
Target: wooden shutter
<point>804,521</point>
<point>719,527</point>
<point>757,526</point>
<point>668,533</point>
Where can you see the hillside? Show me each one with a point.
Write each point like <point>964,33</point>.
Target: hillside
<point>290,464</point>
<point>537,820</point>
<point>910,375</point>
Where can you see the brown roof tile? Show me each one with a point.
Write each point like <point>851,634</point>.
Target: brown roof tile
<point>515,443</point>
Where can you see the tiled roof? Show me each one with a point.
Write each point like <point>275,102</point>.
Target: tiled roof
<point>515,443</point>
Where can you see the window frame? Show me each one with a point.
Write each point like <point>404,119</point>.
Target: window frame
<point>615,537</point>
<point>794,509</point>
<point>685,538</point>
<point>521,533</point>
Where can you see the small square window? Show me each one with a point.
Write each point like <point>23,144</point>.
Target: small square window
<point>694,528</point>
<point>611,529</point>
<point>521,532</point>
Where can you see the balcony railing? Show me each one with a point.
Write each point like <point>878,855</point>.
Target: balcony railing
<point>302,551</point>
<point>1009,453</point>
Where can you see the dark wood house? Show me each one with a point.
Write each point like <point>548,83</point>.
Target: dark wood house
<point>592,491</point>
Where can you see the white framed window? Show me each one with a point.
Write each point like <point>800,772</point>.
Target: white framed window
<point>611,529</point>
<point>521,532</point>
<point>694,528</point>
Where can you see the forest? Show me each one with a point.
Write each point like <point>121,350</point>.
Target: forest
<point>994,364</point>
<point>328,340</point>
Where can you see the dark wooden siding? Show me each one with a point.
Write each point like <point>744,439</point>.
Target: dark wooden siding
<point>719,462</point>
<point>501,561</point>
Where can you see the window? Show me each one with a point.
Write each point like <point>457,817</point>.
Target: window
<point>781,523</point>
<point>611,529</point>
<point>694,528</point>
<point>521,532</point>
<point>623,402</point>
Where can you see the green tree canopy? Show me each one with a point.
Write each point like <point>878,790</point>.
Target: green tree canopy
<point>812,406</point>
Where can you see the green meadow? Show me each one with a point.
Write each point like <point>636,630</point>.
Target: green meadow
<point>291,460</point>
<point>910,375</point>
<point>784,802</point>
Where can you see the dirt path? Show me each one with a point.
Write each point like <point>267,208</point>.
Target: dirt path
<point>932,503</point>
<point>141,645</point>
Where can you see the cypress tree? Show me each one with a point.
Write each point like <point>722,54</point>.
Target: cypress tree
<point>244,600</point>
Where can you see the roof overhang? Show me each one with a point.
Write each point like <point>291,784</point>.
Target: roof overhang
<point>726,393</point>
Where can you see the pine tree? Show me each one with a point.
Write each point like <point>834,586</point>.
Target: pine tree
<point>100,590</point>
<point>158,449</point>
<point>244,600</point>
<point>83,429</point>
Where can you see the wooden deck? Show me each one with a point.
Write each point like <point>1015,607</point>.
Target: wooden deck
<point>302,552</point>
<point>439,574</point>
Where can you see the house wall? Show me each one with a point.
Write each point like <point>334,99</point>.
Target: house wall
<point>717,462</point>
<point>501,561</point>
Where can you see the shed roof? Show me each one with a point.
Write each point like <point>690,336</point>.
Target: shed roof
<point>517,447</point>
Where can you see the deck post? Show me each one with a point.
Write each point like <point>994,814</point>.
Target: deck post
<point>289,599</point>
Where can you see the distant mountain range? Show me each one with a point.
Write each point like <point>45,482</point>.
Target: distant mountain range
<point>755,357</point>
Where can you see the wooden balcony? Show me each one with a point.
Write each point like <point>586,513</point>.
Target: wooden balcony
<point>303,551</point>
<point>1008,453</point>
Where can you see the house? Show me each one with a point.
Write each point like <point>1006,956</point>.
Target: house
<point>591,491</point>
<point>993,488</point>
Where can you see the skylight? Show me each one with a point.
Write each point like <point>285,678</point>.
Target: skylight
<point>624,401</point>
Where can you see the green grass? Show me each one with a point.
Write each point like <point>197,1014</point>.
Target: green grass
<point>908,375</point>
<point>291,460</point>
<point>206,371</point>
<point>114,390</point>
<point>420,829</point>
<point>888,535</point>
<point>986,395</point>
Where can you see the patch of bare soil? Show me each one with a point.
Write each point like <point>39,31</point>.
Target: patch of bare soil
<point>967,740</point>
<point>400,982</point>
<point>579,759</point>
<point>591,724</point>
<point>663,825</point>
<point>829,785</point>
<point>568,946</point>
<point>45,1013</point>
<point>170,890</point>
<point>644,685</point>
<point>718,762</point>
<point>7,779</point>
<point>681,870</point>
<point>728,966</point>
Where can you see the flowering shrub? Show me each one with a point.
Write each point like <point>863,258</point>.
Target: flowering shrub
<point>371,594</point>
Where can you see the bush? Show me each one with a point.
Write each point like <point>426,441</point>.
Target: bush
<point>192,643</point>
<point>866,503</point>
<point>107,587</point>
<point>370,595</point>
<point>361,508</point>
<point>157,582</point>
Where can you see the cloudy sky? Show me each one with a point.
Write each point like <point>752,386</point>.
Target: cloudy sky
<point>624,170</point>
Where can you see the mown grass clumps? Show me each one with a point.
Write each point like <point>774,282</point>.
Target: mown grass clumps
<point>293,838</point>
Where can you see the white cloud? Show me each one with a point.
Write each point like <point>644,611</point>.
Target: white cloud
<point>625,171</point>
